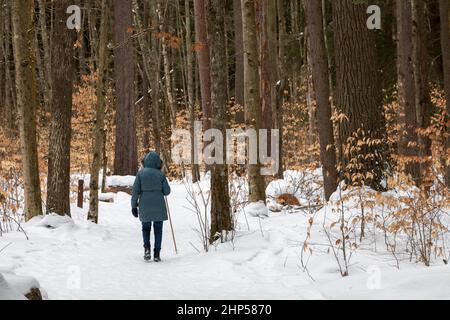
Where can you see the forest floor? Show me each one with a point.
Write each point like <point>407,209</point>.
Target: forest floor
<point>76,259</point>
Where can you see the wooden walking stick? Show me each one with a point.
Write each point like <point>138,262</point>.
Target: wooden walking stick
<point>171,226</point>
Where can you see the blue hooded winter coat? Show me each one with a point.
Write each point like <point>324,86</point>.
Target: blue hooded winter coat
<point>149,189</point>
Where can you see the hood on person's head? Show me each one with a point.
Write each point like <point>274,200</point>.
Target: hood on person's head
<point>152,160</point>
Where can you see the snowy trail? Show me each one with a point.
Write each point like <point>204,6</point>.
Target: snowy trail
<point>80,260</point>
<point>106,260</point>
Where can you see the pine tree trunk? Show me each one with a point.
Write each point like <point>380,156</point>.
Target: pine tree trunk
<point>421,68</point>
<point>203,59</point>
<point>358,95</point>
<point>406,88</point>
<point>98,131</point>
<point>272,57</point>
<point>265,67</point>
<point>220,200</point>
<point>190,88</point>
<point>125,156</point>
<point>281,85</point>
<point>58,181</point>
<point>252,95</point>
<point>319,67</point>
<point>22,12</point>
<point>239,59</point>
<point>444,7</point>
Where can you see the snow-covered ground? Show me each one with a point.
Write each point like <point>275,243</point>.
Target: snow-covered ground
<point>75,259</point>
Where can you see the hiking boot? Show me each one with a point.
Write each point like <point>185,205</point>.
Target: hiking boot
<point>156,256</point>
<point>147,254</point>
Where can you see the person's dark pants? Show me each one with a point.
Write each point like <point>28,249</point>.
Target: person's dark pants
<point>157,229</point>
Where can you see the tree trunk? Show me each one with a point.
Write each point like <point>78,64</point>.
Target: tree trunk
<point>226,29</point>
<point>319,67</point>
<point>145,111</point>
<point>168,79</point>
<point>58,181</point>
<point>146,108</point>
<point>421,68</point>
<point>40,78</point>
<point>47,52</point>
<point>150,60</point>
<point>239,59</point>
<point>272,57</point>
<point>327,47</point>
<point>406,88</point>
<point>444,8</point>
<point>358,96</point>
<point>81,50</point>
<point>281,84</point>
<point>202,49</point>
<point>190,88</point>
<point>220,200</point>
<point>166,119</point>
<point>104,158</point>
<point>125,157</point>
<point>10,92</point>
<point>2,75</point>
<point>98,131</point>
<point>252,95</point>
<point>310,97</point>
<point>22,17</point>
<point>154,81</point>
<point>265,67</point>
<point>92,9</point>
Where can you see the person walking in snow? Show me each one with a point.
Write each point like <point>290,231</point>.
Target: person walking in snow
<point>147,202</point>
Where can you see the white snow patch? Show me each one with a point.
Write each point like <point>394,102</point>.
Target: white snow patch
<point>55,221</point>
<point>15,287</point>
<point>22,284</point>
<point>7,292</point>
<point>278,187</point>
<point>120,181</point>
<point>111,181</point>
<point>257,209</point>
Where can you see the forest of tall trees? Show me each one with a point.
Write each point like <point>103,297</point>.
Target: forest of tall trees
<point>366,106</point>
<point>155,64</point>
